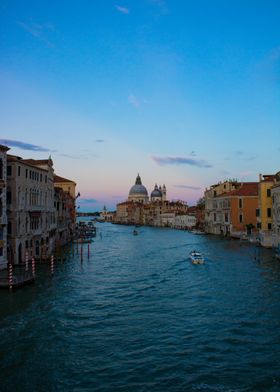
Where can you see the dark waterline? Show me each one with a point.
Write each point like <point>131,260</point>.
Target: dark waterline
<point>138,316</point>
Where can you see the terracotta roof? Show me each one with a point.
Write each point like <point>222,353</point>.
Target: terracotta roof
<point>268,177</point>
<point>37,162</point>
<point>61,179</point>
<point>246,189</point>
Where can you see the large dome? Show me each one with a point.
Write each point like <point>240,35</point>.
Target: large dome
<point>138,193</point>
<point>138,188</point>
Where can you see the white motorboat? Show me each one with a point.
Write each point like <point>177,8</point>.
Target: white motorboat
<point>196,257</point>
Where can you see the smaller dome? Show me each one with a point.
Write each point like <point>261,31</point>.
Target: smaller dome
<point>156,192</point>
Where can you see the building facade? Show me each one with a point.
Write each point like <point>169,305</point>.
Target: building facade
<point>30,206</point>
<point>230,208</point>
<point>275,193</point>
<point>3,206</point>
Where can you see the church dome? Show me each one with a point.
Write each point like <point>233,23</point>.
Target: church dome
<point>138,189</point>
<point>156,192</point>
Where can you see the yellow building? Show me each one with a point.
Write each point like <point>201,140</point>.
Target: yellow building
<point>264,212</point>
<point>68,186</point>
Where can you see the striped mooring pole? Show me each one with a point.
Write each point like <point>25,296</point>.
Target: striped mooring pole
<point>33,266</point>
<point>88,248</point>
<point>52,264</point>
<point>81,252</point>
<point>10,276</point>
<point>26,261</point>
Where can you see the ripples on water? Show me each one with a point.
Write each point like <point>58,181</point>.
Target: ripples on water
<point>138,316</point>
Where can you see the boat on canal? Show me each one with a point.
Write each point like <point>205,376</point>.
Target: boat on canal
<point>196,257</point>
<point>135,232</point>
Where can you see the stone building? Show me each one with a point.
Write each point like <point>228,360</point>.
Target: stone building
<point>64,204</point>
<point>215,214</point>
<point>68,203</point>
<point>30,207</point>
<point>3,206</point>
<point>233,211</point>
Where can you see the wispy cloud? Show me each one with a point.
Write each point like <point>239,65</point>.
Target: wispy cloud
<point>99,141</point>
<point>239,153</point>
<point>123,10</point>
<point>163,161</point>
<point>195,188</point>
<point>87,201</point>
<point>38,31</point>
<point>70,156</point>
<point>133,100</point>
<point>23,145</point>
<point>86,155</point>
<point>193,154</point>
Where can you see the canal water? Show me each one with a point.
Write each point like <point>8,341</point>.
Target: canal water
<point>136,315</point>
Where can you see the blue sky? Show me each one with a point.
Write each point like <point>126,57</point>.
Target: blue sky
<point>184,92</point>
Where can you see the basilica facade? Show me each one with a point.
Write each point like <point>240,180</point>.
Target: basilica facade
<point>138,193</point>
<point>153,210</point>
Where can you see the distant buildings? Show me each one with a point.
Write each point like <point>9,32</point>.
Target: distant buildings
<point>157,211</point>
<point>37,213</point>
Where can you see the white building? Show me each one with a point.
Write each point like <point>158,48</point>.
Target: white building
<point>185,221</point>
<point>30,206</point>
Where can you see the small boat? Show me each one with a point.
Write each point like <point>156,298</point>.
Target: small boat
<point>196,257</point>
<point>197,232</point>
<point>135,232</point>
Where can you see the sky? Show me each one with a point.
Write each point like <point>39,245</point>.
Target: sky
<point>185,93</point>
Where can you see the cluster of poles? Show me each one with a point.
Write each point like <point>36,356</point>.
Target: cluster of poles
<point>33,265</point>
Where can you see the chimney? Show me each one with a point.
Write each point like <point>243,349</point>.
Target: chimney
<point>260,177</point>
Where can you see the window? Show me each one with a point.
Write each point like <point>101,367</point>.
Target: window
<point>240,203</point>
<point>215,217</point>
<point>240,218</point>
<point>269,226</point>
<point>9,228</point>
<point>26,173</point>
<point>268,192</point>
<point>269,212</point>
<point>257,212</point>
<point>9,197</point>
<point>259,225</point>
<point>1,251</point>
<point>226,217</point>
<point>18,170</point>
<point>41,177</point>
<point>9,170</point>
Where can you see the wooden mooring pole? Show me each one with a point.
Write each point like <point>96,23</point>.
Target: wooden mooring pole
<point>10,276</point>
<point>52,264</point>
